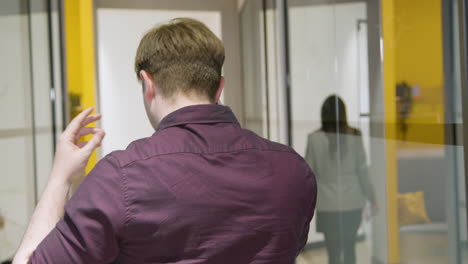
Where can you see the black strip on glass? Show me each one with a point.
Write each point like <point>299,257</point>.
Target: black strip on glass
<point>63,87</point>
<point>33,118</point>
<point>267,82</point>
<point>51,76</point>
<point>287,70</point>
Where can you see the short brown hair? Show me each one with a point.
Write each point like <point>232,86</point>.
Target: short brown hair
<point>182,55</point>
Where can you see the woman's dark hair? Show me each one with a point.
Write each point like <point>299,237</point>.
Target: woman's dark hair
<point>335,121</point>
<point>334,118</point>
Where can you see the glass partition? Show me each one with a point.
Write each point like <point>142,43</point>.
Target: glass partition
<point>30,104</point>
<point>263,63</point>
<point>375,110</point>
<point>370,94</point>
<point>16,134</point>
<point>330,123</point>
<point>253,56</point>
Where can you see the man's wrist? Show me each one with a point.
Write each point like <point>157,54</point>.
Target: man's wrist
<point>57,179</point>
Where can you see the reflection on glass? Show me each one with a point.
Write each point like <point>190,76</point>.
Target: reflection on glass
<point>253,70</point>
<point>26,128</point>
<point>395,66</point>
<point>16,130</point>
<point>336,154</point>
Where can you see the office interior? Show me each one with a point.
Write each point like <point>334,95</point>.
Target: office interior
<point>400,66</point>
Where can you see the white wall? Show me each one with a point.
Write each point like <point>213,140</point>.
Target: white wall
<point>120,94</point>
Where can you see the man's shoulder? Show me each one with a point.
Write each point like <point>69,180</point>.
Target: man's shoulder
<point>269,145</point>
<point>168,142</point>
<point>136,150</point>
<point>164,142</point>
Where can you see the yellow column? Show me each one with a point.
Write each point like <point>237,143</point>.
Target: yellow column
<point>388,23</point>
<point>80,55</point>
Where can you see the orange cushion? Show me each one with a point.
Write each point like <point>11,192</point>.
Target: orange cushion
<point>412,209</point>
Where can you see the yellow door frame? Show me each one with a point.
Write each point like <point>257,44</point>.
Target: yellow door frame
<point>80,56</point>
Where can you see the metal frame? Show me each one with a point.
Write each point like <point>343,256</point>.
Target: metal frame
<point>33,116</point>
<point>63,83</point>
<point>51,73</point>
<point>450,129</point>
<point>283,22</point>
<point>266,63</point>
<point>463,24</point>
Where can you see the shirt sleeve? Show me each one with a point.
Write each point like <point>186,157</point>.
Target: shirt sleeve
<point>93,223</point>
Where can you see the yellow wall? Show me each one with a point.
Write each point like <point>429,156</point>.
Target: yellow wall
<point>80,56</point>
<point>419,62</point>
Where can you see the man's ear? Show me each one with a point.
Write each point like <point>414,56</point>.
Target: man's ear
<point>149,87</point>
<point>220,89</point>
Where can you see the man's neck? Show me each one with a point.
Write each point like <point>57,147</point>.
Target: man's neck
<point>178,102</point>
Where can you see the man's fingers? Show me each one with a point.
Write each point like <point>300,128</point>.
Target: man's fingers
<point>75,124</point>
<point>85,131</point>
<point>90,119</point>
<point>82,144</point>
<point>95,141</point>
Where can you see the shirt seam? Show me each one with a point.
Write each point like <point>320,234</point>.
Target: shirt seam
<point>124,187</point>
<point>210,153</point>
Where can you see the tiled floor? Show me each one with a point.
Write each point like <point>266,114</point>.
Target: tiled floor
<point>363,252</point>
<point>319,256</point>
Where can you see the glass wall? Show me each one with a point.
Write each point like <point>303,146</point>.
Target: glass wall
<point>29,112</point>
<point>16,130</point>
<point>369,93</point>
<point>262,65</point>
<point>331,59</point>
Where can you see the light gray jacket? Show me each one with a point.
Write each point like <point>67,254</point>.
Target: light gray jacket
<point>342,176</point>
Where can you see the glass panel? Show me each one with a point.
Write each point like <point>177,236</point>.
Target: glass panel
<point>275,63</point>
<point>375,110</point>
<point>16,129</point>
<point>43,90</point>
<point>26,110</point>
<point>458,181</point>
<point>253,55</point>
<point>263,56</point>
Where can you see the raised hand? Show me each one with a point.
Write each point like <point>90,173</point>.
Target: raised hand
<point>72,156</point>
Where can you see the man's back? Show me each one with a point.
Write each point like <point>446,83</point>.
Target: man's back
<point>200,190</point>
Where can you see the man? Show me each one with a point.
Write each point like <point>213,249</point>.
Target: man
<point>200,190</point>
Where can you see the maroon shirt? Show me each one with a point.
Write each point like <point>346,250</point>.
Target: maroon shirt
<point>200,190</point>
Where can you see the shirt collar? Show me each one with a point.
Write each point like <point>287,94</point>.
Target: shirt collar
<point>198,114</point>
